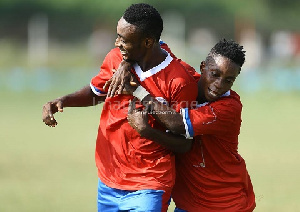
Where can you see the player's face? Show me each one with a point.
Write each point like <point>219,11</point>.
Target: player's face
<point>217,78</point>
<point>129,41</point>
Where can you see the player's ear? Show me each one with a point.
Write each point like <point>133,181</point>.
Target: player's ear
<point>149,42</point>
<point>202,65</point>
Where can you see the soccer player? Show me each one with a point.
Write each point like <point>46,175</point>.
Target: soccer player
<point>212,176</point>
<point>135,173</point>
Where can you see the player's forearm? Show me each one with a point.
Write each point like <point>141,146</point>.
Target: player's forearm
<point>175,143</point>
<point>165,115</point>
<point>82,98</point>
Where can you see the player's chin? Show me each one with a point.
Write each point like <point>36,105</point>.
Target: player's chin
<point>127,59</point>
<point>211,98</point>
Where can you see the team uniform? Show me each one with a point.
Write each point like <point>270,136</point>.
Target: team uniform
<point>213,176</point>
<point>187,67</point>
<point>129,165</point>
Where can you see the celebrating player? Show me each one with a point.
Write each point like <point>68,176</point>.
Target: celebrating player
<point>213,175</point>
<point>135,173</point>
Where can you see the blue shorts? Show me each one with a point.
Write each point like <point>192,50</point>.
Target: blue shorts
<point>113,200</point>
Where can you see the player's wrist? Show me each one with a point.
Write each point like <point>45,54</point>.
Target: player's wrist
<point>126,65</point>
<point>140,93</point>
<point>145,131</point>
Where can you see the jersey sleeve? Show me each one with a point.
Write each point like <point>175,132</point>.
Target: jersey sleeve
<point>111,61</point>
<point>218,118</point>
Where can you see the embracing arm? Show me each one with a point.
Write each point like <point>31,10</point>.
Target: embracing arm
<point>139,121</point>
<point>81,98</point>
<point>166,115</point>
<point>175,143</point>
<point>124,81</point>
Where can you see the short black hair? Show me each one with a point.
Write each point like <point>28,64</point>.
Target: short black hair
<point>146,18</point>
<point>229,49</point>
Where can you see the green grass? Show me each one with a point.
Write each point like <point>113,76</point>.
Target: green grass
<point>43,168</point>
<point>53,169</point>
<point>270,145</point>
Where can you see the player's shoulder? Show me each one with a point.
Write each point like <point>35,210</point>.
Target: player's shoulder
<point>113,58</point>
<point>234,99</point>
<point>177,71</point>
<point>230,102</point>
<point>114,53</point>
<point>185,65</point>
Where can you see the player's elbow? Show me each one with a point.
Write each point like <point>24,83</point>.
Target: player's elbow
<point>185,147</point>
<point>177,128</point>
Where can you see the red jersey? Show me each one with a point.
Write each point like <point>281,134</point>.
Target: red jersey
<point>213,176</point>
<point>189,68</point>
<point>124,159</point>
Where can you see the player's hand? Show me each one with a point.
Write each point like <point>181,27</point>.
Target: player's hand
<point>116,84</point>
<point>130,87</point>
<point>49,109</point>
<point>137,118</point>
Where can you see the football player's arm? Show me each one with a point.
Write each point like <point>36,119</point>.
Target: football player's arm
<point>81,98</point>
<point>116,84</point>
<point>173,142</point>
<point>138,119</point>
<point>221,117</point>
<point>87,96</point>
<point>167,116</point>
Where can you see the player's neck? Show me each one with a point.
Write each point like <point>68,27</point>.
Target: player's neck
<point>154,57</point>
<point>201,100</point>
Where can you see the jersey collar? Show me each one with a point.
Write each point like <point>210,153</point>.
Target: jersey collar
<point>144,75</point>
<point>205,103</point>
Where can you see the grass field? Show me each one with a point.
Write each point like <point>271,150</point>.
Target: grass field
<point>52,169</point>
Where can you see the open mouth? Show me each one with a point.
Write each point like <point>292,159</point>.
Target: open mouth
<point>123,53</point>
<point>213,93</point>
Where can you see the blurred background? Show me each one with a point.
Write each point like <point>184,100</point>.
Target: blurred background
<point>51,48</point>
